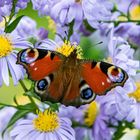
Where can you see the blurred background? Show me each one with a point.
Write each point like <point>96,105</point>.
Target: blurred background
<point>96,52</point>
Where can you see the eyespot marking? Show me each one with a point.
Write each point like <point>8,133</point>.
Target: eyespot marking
<point>116,74</point>
<point>29,55</point>
<point>42,85</point>
<point>86,92</point>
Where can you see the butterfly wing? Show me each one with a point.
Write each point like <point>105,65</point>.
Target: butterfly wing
<point>42,66</point>
<point>102,76</point>
<point>70,89</point>
<point>39,62</point>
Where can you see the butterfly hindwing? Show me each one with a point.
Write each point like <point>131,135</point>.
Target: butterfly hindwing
<point>102,76</point>
<point>74,91</point>
<point>65,86</point>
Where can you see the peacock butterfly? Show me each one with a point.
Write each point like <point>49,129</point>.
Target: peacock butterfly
<point>68,79</point>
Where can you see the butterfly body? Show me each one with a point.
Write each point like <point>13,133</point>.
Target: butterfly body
<point>68,79</point>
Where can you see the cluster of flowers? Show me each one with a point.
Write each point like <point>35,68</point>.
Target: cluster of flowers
<point>118,22</point>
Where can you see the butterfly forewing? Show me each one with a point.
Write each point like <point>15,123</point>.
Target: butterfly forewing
<point>102,76</point>
<point>38,62</point>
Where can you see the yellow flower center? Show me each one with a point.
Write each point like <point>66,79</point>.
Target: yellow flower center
<point>135,13</point>
<point>67,48</point>
<point>46,121</point>
<point>136,94</point>
<point>91,114</point>
<point>5,46</point>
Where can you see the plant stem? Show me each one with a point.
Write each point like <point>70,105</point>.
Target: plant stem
<point>23,85</point>
<point>3,104</point>
<point>25,89</point>
<point>12,13</point>
<point>122,21</point>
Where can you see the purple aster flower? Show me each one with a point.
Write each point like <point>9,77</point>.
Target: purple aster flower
<point>129,31</point>
<point>123,29</point>
<point>42,33</point>
<point>21,4</point>
<point>84,31</point>
<point>5,10</point>
<point>43,6</point>
<point>62,32</point>
<point>100,129</point>
<point>122,54</point>
<point>96,10</point>
<point>8,57</point>
<point>6,7</point>
<point>134,35</point>
<point>47,44</point>
<point>125,5</point>
<point>45,126</point>
<point>6,114</point>
<point>62,47</point>
<point>92,117</point>
<point>135,109</point>
<point>117,102</point>
<point>67,112</point>
<point>26,28</point>
<point>65,12</point>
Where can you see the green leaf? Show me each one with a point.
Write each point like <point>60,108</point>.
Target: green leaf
<point>19,114</point>
<point>120,129</point>
<point>32,94</point>
<point>70,29</point>
<point>1,107</point>
<point>13,25</point>
<point>15,100</point>
<point>88,27</point>
<point>29,106</point>
<point>53,106</point>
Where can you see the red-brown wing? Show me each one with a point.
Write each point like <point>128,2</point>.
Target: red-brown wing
<point>102,77</point>
<point>39,62</point>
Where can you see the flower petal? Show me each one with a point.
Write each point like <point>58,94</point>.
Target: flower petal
<point>4,69</point>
